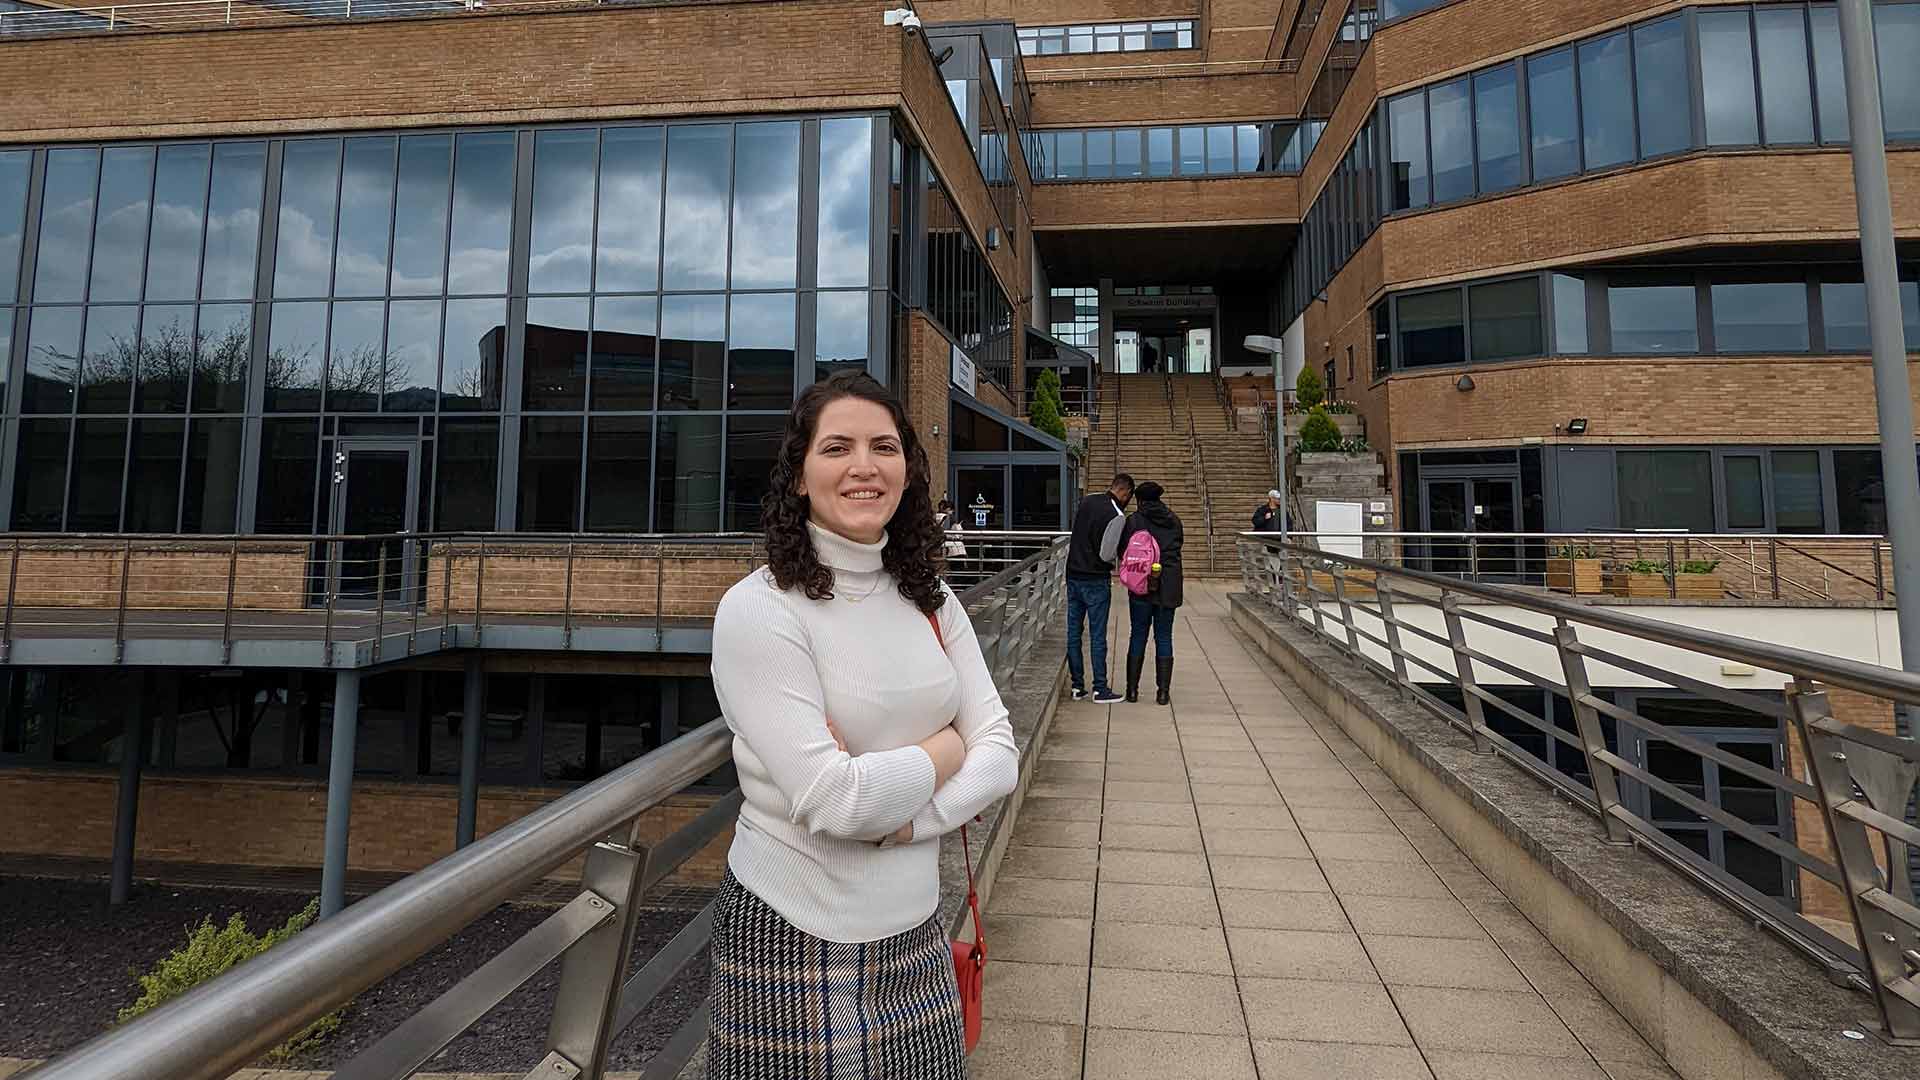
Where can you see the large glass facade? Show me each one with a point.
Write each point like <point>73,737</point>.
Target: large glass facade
<point>204,327</point>
<point>1131,153</point>
<point>1106,38</point>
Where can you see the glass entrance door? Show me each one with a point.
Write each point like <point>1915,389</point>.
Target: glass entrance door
<point>1472,506</point>
<point>374,497</point>
<point>1495,510</point>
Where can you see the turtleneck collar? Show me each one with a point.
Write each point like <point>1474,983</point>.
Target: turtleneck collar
<point>841,553</point>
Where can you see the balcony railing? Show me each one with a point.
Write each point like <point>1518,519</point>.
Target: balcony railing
<point>1827,802</point>
<point>210,14</point>
<point>223,1025</point>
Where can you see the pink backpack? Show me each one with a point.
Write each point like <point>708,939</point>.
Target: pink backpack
<point>1136,562</point>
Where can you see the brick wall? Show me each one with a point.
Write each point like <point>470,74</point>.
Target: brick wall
<point>1160,99</point>
<point>1173,202</point>
<point>182,576</point>
<point>262,821</point>
<point>1465,35</point>
<point>929,364</point>
<point>606,579</point>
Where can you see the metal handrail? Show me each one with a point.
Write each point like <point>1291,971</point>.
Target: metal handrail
<point>1200,469</point>
<point>1842,757</point>
<point>224,1024</point>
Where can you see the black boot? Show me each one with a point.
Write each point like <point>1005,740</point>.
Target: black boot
<point>1163,671</point>
<point>1134,664</point>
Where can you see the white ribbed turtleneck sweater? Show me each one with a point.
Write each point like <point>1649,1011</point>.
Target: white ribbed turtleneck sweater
<point>783,664</point>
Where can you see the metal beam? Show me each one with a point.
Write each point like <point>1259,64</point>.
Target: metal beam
<point>473,717</point>
<point>346,722</point>
<point>133,752</point>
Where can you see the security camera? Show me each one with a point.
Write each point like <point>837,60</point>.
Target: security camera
<point>903,17</point>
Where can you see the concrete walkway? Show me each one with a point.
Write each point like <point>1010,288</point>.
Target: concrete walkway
<point>1230,889</point>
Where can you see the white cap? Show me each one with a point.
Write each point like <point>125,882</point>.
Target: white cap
<point>1273,494</point>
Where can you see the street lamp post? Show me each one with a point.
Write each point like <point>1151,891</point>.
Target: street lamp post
<point>1270,346</point>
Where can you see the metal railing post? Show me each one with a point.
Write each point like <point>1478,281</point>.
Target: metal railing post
<point>1673,574</point>
<point>593,970</point>
<point>226,625</point>
<point>1877,931</point>
<point>1346,608</point>
<point>566,604</point>
<point>333,593</point>
<point>1773,566</point>
<point>13,585</point>
<point>1473,557</point>
<point>379,600</point>
<point>446,598</point>
<point>660,599</point>
<point>1463,664</point>
<point>120,613</point>
<point>1384,593</point>
<point>479,593</point>
<point>415,599</point>
<point>1879,575</point>
<point>1593,738</point>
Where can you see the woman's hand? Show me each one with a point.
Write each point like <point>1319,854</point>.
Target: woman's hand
<point>839,740</point>
<point>948,751</point>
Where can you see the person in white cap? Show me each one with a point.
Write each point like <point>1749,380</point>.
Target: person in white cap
<point>1266,516</point>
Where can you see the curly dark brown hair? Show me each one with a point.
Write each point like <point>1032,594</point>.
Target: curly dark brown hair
<point>913,554</point>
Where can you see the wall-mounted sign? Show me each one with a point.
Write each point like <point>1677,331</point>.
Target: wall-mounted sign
<point>1182,302</point>
<point>964,375</point>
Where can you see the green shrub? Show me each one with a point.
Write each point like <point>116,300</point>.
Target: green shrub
<point>210,951</point>
<point>1319,434</point>
<point>1576,551</point>
<point>1307,389</point>
<point>1045,413</point>
<point>1687,566</point>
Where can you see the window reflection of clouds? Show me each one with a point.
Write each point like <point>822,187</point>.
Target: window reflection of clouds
<point>629,248</point>
<point>561,257</point>
<point>840,333</point>
<point>66,217</point>
<point>846,201</point>
<point>13,213</point>
<point>696,233</point>
<point>482,213</point>
<point>355,359</point>
<point>420,215</point>
<point>366,218</point>
<point>120,229</point>
<point>413,354</point>
<point>233,221</point>
<point>766,205</point>
<point>295,344</point>
<point>308,188</point>
<point>179,218</point>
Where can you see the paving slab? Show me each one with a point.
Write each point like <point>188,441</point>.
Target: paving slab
<point>1039,939</point>
<point>1116,1054</point>
<point>1165,1001</point>
<point>1346,1061</point>
<point>1201,950</point>
<point>1299,954</point>
<point>1321,1011</point>
<point>1154,868</point>
<point>1022,1050</point>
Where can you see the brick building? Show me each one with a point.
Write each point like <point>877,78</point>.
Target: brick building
<point>551,268</point>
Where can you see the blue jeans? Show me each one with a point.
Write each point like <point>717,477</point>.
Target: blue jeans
<point>1089,598</point>
<point>1144,615</point>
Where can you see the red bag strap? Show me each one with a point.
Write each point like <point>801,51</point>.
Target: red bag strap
<point>934,621</point>
<point>966,855</point>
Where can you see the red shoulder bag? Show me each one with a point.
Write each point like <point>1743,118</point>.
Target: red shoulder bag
<point>969,960</point>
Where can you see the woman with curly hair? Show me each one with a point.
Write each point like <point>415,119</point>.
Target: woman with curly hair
<point>866,726</point>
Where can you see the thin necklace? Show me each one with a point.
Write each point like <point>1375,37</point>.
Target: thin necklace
<point>876,588</point>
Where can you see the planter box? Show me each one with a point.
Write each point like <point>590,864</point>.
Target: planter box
<point>1359,583</point>
<point>1654,586</point>
<point>1582,577</point>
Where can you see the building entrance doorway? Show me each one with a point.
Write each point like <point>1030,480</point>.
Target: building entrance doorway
<point>1172,349</point>
<point>1473,505</point>
<point>375,492</point>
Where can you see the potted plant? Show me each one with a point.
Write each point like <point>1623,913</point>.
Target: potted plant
<point>1645,579</point>
<point>1576,568</point>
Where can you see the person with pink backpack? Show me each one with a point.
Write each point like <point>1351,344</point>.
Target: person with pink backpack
<point>1147,549</point>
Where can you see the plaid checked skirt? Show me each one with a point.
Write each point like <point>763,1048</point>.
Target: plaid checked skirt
<point>791,1006</point>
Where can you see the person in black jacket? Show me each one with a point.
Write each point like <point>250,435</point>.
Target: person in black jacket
<point>1089,588</point>
<point>1154,611</point>
<point>1266,516</point>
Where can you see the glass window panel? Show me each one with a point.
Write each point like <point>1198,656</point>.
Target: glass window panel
<point>562,256</point>
<point>153,476</point>
<point>1432,330</point>
<point>179,222</point>
<point>356,361</point>
<point>766,205</point>
<point>289,467</point>
<point>698,162</point>
<point>1407,150</point>
<point>482,214</point>
<point>1506,319</point>
<point>106,366</point>
<point>1569,315</point>
<point>1126,153</point>
<point>40,475</point>
<point>233,221</point>
<point>309,190</point>
<point>296,345</point>
<point>1746,492</point>
<point>99,469</point>
<point>1496,122</point>
<point>555,359</point>
<point>14,169</point>
<point>120,226</point>
<point>222,354</point>
<point>472,351</point>
<point>1069,160</point>
<point>466,474</point>
<point>846,202</point>
<point>6,345</point>
<point>1159,151</point>
<point>1786,93</point>
<point>166,357</point>
<point>1653,319</point>
<point>1246,148</point>
<point>624,345</point>
<point>1665,489</point>
<point>693,352</point>
<point>840,334</point>
<point>628,257</point>
<point>753,442</point>
<point>1220,149</point>
<point>1606,101</point>
<point>366,218</point>
<point>619,472</point>
<point>1451,119</point>
<point>1193,151</point>
<point>1554,115</point>
<point>420,215</point>
<point>1100,154</point>
<point>1751,317</point>
<point>1750,862</point>
<point>760,351</point>
<point>686,474</point>
<point>1861,495</point>
<point>212,496</point>
<point>1798,503</point>
<point>1663,88</point>
<point>1898,30</point>
<point>1830,78</point>
<point>1726,76</point>
<point>53,360</point>
<point>550,474</point>
<point>413,355</point>
<point>66,225</point>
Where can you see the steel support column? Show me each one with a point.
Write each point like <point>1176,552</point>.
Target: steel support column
<point>133,752</point>
<point>473,719</point>
<point>346,724</point>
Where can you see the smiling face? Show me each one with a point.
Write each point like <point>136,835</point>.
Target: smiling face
<point>855,471</point>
